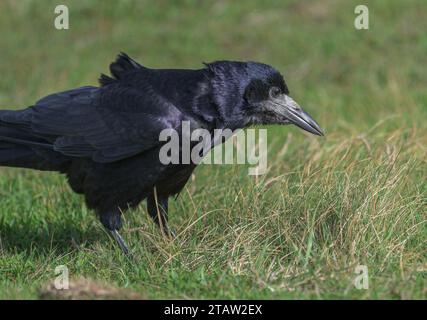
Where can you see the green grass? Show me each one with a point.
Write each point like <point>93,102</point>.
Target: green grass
<point>356,197</point>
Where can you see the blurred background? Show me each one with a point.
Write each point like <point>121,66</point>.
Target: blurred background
<point>348,78</point>
<point>366,88</point>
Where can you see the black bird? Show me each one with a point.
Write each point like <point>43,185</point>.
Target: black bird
<point>106,139</point>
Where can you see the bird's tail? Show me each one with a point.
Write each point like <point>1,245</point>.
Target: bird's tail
<point>21,147</point>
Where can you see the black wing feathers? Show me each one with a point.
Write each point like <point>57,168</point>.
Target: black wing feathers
<point>105,124</point>
<point>118,68</point>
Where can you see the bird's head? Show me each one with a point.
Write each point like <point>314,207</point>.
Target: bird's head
<point>249,93</point>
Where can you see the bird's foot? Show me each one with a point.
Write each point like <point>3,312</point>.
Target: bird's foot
<point>112,222</point>
<point>120,241</point>
<point>170,233</point>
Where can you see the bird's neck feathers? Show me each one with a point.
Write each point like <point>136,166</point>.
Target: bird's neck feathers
<point>221,90</point>
<point>214,93</point>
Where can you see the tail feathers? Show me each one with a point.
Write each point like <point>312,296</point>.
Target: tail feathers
<point>20,147</point>
<point>12,155</point>
<point>18,134</point>
<point>16,118</point>
<point>20,156</point>
<point>26,142</point>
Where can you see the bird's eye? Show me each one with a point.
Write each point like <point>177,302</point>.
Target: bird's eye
<point>274,92</point>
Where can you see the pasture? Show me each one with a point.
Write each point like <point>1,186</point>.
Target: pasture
<point>356,197</point>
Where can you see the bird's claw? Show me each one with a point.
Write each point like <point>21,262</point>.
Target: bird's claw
<point>120,241</point>
<point>172,234</point>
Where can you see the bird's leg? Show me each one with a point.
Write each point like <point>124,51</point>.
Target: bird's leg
<point>157,206</point>
<point>112,221</point>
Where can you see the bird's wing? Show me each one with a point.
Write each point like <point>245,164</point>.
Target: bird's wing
<point>106,124</point>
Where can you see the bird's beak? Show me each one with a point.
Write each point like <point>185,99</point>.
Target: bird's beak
<point>288,108</point>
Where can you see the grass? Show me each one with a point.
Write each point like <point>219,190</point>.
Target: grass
<point>356,197</point>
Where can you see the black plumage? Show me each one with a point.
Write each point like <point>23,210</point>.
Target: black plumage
<point>106,139</point>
